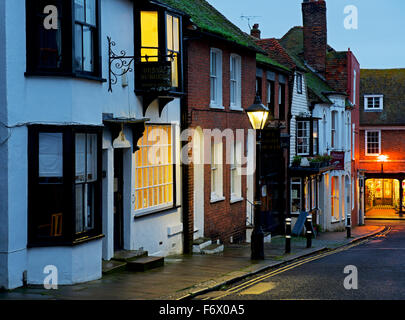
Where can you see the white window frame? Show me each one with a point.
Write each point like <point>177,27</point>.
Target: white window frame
<point>354,141</point>
<point>237,81</point>
<point>217,192</point>
<point>366,143</point>
<point>335,203</point>
<point>333,128</point>
<point>374,96</point>
<point>308,138</point>
<point>216,101</point>
<point>235,172</point>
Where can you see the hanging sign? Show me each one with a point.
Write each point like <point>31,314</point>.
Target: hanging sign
<point>338,159</point>
<point>154,76</point>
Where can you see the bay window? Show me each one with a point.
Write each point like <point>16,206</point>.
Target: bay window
<point>158,40</point>
<point>154,170</point>
<point>64,185</point>
<point>62,51</point>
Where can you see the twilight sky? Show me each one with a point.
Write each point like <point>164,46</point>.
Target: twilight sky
<point>379,41</point>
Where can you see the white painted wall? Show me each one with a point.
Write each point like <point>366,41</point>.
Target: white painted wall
<point>63,101</point>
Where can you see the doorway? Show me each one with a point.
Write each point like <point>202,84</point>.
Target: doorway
<point>118,200</point>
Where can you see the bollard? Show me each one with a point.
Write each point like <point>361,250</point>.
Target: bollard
<point>349,227</point>
<point>309,231</point>
<point>287,235</point>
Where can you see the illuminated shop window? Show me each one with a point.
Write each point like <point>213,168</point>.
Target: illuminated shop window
<point>154,181</point>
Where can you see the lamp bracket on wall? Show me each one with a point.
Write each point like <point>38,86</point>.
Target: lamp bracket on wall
<point>120,64</point>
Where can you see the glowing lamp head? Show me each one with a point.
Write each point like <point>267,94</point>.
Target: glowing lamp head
<point>258,114</point>
<point>382,158</point>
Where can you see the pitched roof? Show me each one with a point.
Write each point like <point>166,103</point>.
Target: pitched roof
<point>391,84</point>
<point>276,52</point>
<point>293,43</point>
<point>261,58</point>
<point>208,19</point>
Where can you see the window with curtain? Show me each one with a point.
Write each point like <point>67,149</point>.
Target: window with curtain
<point>335,198</point>
<point>85,180</point>
<point>154,169</point>
<point>64,184</point>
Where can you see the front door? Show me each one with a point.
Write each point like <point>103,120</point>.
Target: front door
<point>118,203</point>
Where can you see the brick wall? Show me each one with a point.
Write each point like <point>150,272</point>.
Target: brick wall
<point>392,145</point>
<point>221,219</point>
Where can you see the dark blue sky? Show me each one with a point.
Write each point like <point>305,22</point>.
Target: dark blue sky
<point>379,41</point>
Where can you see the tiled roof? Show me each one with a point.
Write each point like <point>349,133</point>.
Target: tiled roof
<point>293,43</point>
<point>209,19</point>
<point>391,84</point>
<point>267,60</point>
<point>276,52</point>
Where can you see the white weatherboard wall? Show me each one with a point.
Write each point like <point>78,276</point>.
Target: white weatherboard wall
<point>299,105</point>
<point>324,111</point>
<point>72,101</point>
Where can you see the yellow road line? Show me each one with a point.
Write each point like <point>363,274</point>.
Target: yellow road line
<point>289,267</point>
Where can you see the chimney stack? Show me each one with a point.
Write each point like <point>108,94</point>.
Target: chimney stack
<point>255,32</point>
<point>315,34</point>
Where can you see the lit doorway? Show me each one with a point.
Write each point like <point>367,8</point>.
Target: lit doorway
<point>382,197</point>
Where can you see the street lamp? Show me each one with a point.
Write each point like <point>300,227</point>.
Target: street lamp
<point>382,158</point>
<point>258,114</point>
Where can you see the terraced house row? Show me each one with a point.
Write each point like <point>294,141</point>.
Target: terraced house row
<point>124,133</point>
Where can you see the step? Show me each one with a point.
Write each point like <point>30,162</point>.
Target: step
<point>201,243</point>
<point>213,248</point>
<point>112,266</point>
<point>145,263</point>
<point>129,255</point>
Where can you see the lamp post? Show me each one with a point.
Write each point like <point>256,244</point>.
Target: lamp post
<point>258,114</point>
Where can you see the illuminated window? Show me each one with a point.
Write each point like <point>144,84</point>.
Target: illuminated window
<point>154,184</point>
<point>160,40</point>
<point>149,36</point>
<point>173,46</point>
<point>303,137</point>
<point>335,198</point>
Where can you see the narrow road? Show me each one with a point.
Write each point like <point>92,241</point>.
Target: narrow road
<point>380,264</point>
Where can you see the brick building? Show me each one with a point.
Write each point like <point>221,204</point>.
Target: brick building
<point>382,136</point>
<point>220,64</point>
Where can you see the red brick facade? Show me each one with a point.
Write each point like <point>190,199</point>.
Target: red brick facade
<point>222,220</point>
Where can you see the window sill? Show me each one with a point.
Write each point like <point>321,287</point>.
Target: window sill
<point>49,243</point>
<point>215,106</point>
<point>155,211</point>
<point>235,108</point>
<point>373,110</point>
<point>64,75</point>
<point>216,198</point>
<point>236,199</point>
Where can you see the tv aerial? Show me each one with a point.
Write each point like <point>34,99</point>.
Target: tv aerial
<point>248,18</point>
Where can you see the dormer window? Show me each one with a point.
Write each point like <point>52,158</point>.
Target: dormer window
<point>373,102</point>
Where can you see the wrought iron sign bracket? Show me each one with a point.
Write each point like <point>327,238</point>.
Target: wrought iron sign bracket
<point>120,64</point>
